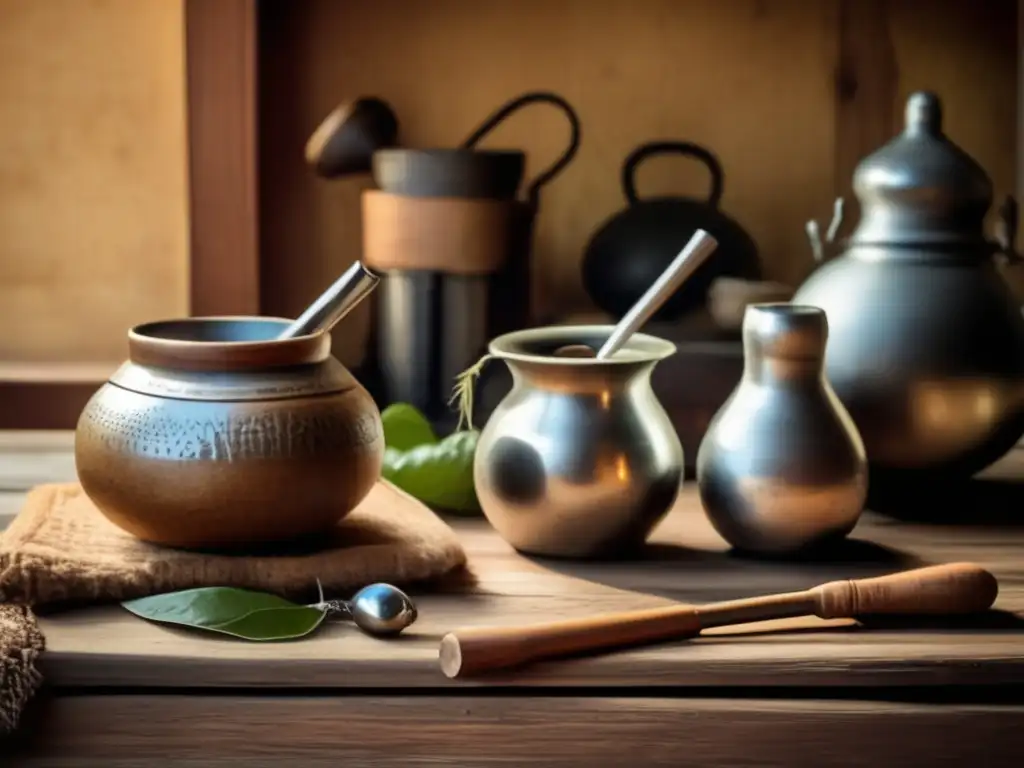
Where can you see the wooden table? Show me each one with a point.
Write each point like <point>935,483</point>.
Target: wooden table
<point>123,692</point>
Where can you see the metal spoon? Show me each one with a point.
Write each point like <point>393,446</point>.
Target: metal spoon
<point>333,304</point>
<point>379,609</point>
<point>701,246</point>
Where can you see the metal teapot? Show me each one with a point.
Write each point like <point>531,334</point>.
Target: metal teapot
<point>926,343</point>
<point>579,460</point>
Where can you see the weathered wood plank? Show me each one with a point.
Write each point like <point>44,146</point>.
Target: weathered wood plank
<point>866,90</point>
<point>221,70</point>
<point>31,457</point>
<point>110,648</point>
<point>1020,100</point>
<point>381,731</point>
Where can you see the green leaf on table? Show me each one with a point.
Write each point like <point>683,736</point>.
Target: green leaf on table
<point>437,472</point>
<point>241,613</point>
<point>405,427</point>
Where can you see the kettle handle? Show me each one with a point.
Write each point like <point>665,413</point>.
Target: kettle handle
<point>641,153</point>
<point>818,243</point>
<point>1006,231</point>
<point>533,97</point>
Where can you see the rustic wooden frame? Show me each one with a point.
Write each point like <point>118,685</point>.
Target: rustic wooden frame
<point>221,81</point>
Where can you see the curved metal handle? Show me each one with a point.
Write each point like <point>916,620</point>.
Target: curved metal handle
<point>641,153</point>
<point>814,232</point>
<point>1006,231</point>
<point>534,97</point>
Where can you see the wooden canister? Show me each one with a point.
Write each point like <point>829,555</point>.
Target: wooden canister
<point>444,234</point>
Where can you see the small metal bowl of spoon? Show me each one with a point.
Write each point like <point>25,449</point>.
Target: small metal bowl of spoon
<point>381,610</point>
<point>696,252</point>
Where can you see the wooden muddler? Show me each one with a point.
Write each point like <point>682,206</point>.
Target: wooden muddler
<point>957,588</point>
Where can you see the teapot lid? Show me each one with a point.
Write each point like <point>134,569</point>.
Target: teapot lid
<point>921,188</point>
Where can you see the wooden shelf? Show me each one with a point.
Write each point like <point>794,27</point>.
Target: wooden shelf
<point>56,373</point>
<point>47,395</point>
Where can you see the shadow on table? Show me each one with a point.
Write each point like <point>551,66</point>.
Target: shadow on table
<point>859,553</point>
<point>984,501</point>
<point>991,620</point>
<point>680,573</point>
<point>702,576</point>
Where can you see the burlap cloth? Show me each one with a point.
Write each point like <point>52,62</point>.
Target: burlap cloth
<point>61,551</point>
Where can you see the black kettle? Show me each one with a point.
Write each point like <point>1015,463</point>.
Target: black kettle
<point>633,247</point>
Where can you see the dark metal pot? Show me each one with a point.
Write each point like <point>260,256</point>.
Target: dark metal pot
<point>632,248</point>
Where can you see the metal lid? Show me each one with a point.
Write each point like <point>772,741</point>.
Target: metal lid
<point>921,188</point>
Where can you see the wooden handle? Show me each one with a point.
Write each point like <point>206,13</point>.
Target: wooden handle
<point>473,651</point>
<point>939,589</point>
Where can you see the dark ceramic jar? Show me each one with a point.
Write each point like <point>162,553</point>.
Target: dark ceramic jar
<point>215,435</point>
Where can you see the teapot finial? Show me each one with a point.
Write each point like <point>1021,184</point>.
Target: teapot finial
<point>921,187</point>
<point>923,113</point>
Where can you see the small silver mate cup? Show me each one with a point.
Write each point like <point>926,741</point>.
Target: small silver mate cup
<point>580,459</point>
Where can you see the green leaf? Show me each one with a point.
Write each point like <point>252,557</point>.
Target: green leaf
<point>240,613</point>
<point>274,624</point>
<point>438,474</point>
<point>405,427</point>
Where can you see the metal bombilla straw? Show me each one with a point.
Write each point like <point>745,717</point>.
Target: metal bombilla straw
<point>701,246</point>
<point>333,304</point>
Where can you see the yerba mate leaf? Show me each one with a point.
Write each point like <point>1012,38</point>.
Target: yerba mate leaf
<point>241,613</point>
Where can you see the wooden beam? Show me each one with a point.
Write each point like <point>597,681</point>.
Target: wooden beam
<point>43,404</point>
<point>1020,100</point>
<point>866,90</point>
<point>220,56</point>
<point>47,395</point>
